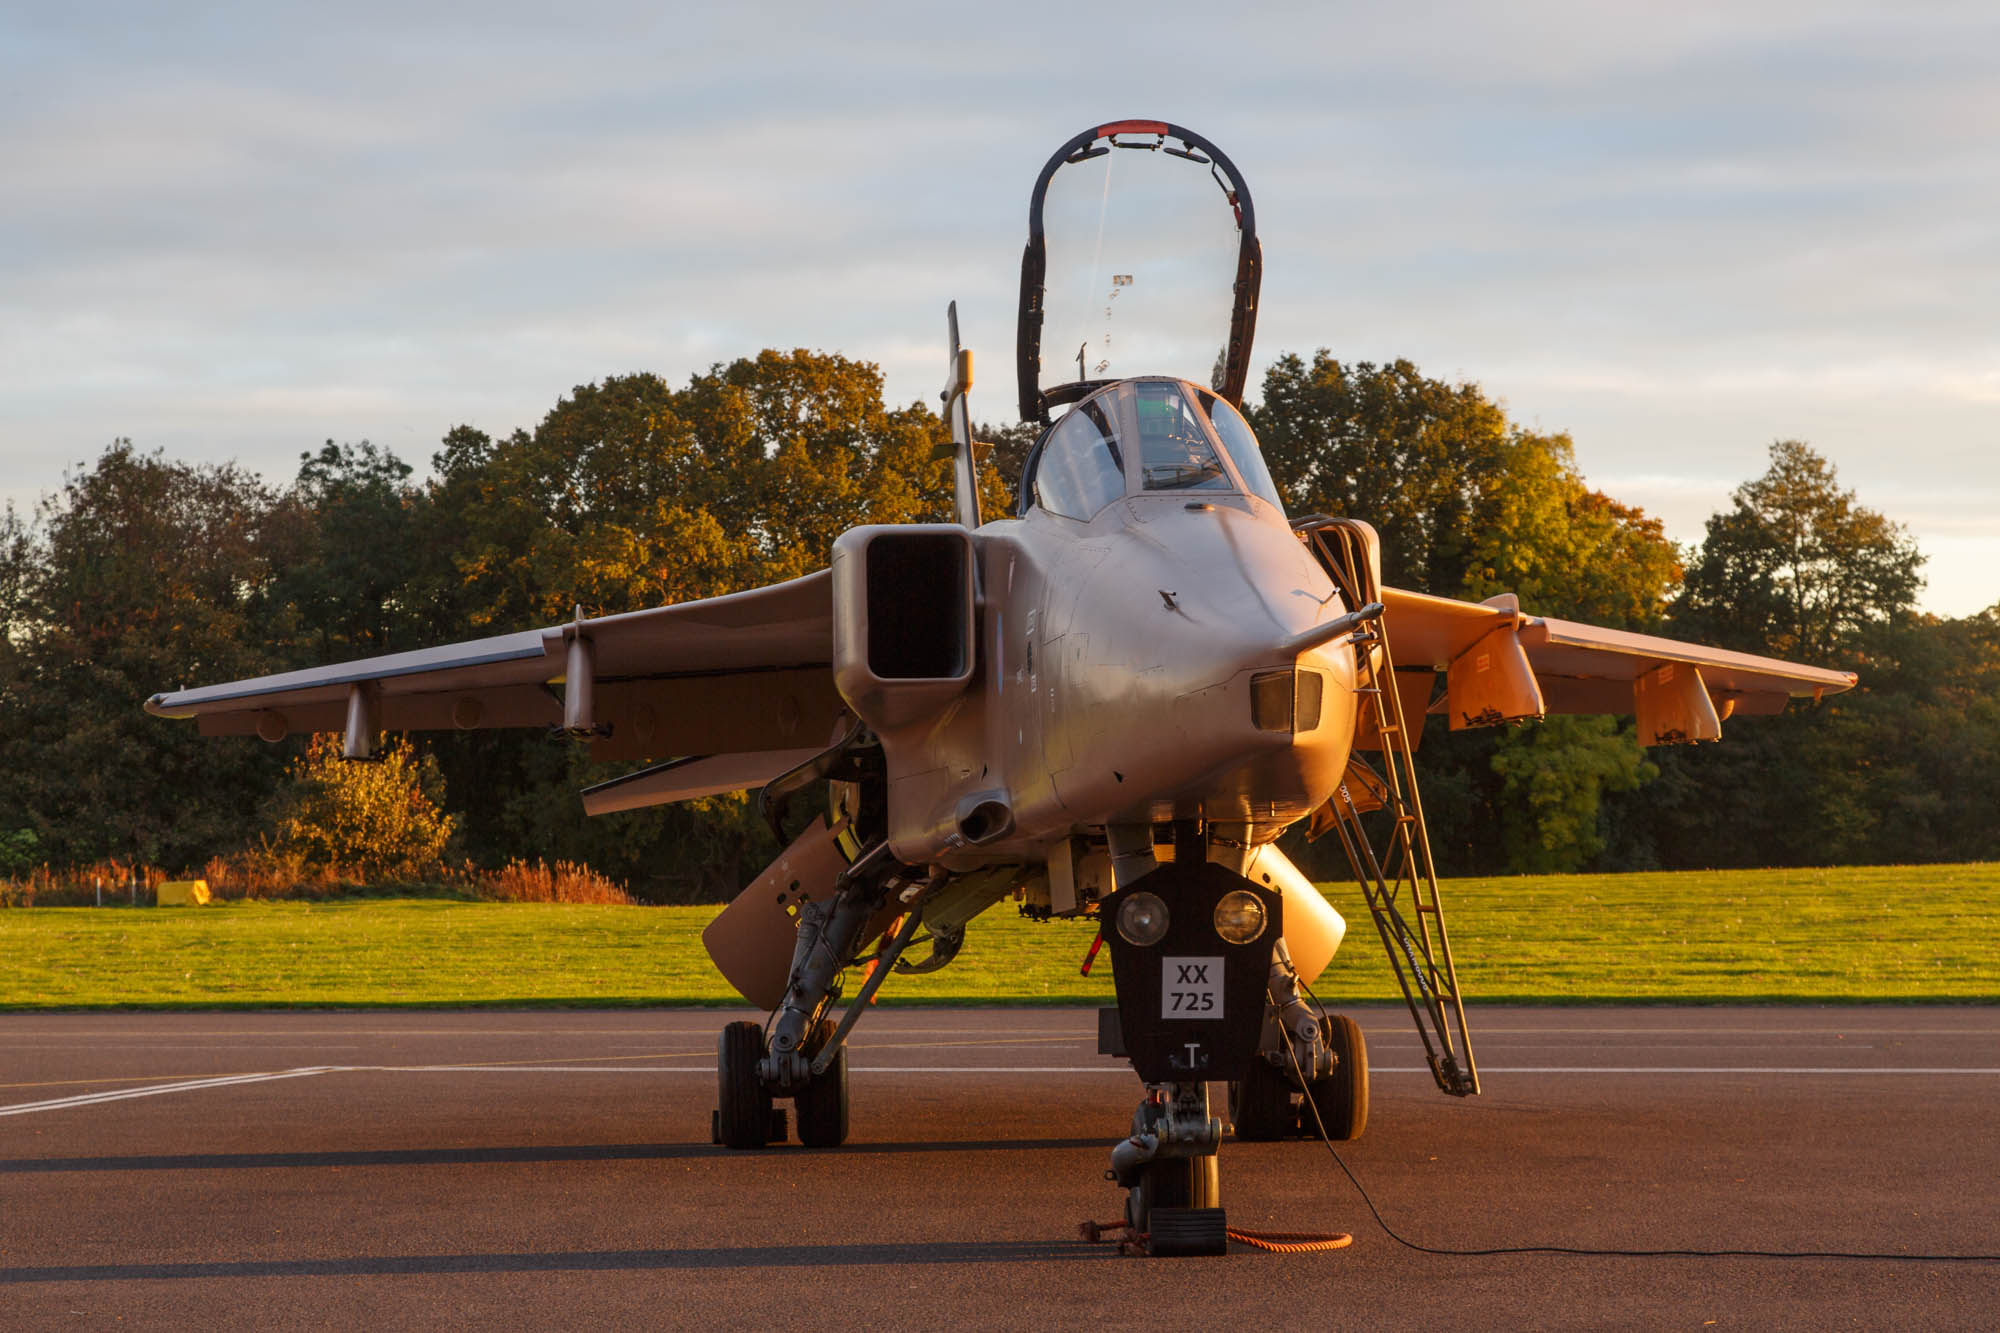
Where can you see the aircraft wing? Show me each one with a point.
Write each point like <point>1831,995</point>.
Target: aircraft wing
<point>1503,666</point>
<point>748,672</point>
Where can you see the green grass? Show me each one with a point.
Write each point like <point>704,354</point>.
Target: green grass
<point>1925,933</point>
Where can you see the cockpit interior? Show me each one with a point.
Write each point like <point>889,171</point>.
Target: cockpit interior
<point>1144,435</point>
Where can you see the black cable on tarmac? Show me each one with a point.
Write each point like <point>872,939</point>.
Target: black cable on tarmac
<point>1587,1252</point>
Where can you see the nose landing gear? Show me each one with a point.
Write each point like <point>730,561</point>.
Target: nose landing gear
<point>1170,1170</point>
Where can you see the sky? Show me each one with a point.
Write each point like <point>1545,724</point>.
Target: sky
<point>1676,232</point>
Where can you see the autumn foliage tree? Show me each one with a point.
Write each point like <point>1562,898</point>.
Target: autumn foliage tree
<point>1468,505</point>
<point>379,819</point>
<point>632,493</point>
<point>142,574</point>
<point>1797,566</point>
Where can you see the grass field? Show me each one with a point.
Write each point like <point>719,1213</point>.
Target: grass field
<point>1928,933</point>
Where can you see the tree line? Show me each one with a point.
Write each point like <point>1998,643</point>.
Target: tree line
<point>144,573</point>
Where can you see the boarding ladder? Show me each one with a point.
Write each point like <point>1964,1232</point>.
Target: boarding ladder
<point>1400,884</point>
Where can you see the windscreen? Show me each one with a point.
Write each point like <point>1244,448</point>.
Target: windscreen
<point>1142,253</point>
<point>1241,443</point>
<point>1080,469</point>
<point>1174,452</point>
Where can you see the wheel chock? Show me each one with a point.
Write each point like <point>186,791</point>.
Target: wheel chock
<point>1186,1231</point>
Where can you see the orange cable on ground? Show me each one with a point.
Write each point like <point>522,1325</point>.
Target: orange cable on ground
<point>1293,1242</point>
<point>1277,1242</point>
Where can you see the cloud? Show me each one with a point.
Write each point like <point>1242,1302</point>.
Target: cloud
<point>239,229</point>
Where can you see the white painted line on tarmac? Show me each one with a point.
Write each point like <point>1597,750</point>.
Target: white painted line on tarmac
<point>191,1085</point>
<point>236,1080</point>
<point>710,1069</point>
<point>529,1069</point>
<point>1914,1070</point>
<point>991,1069</point>
<point>1126,1069</point>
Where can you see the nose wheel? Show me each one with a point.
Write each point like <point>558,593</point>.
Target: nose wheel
<point>1174,1183</point>
<point>1177,1206</point>
<point>1169,1170</point>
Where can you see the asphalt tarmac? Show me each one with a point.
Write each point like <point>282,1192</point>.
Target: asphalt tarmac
<point>553,1170</point>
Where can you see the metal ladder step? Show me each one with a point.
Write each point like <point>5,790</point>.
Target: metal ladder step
<point>1419,948</point>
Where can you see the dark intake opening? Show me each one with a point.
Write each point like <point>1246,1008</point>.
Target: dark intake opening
<point>917,606</point>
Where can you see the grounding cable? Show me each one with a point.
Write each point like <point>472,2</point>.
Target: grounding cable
<point>1594,1252</point>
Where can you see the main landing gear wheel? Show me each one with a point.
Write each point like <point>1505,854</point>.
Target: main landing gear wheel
<point>743,1117</point>
<point>822,1103</point>
<point>1260,1105</point>
<point>1342,1096</point>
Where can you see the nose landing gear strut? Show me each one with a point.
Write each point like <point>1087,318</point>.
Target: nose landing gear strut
<point>1170,1171</point>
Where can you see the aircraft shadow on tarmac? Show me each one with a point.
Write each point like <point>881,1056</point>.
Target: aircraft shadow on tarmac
<point>569,1261</point>
<point>610,1152</point>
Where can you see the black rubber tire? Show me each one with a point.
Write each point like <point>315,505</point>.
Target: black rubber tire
<point>821,1106</point>
<point>743,1104</point>
<point>1342,1097</point>
<point>1260,1105</point>
<point>1174,1182</point>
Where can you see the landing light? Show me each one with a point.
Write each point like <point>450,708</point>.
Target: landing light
<point>1142,919</point>
<point>1239,917</point>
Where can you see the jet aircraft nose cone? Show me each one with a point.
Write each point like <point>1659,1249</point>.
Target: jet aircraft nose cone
<point>1181,665</point>
<point>1248,581</point>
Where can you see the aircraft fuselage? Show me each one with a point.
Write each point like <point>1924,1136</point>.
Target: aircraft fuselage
<point>1130,668</point>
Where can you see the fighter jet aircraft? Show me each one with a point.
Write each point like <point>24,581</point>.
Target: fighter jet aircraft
<point>1106,705</point>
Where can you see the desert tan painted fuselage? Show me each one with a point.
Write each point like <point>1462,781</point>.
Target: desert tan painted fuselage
<point>1112,683</point>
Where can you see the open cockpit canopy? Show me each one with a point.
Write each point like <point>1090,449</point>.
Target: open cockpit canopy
<point>1143,261</point>
<point>1143,435</point>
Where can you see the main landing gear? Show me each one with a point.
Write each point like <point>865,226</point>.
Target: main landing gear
<point>801,1053</point>
<point>746,1114</point>
<point>1271,1102</point>
<point>1310,1073</point>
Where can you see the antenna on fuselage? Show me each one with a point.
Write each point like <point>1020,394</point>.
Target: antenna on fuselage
<point>964,468</point>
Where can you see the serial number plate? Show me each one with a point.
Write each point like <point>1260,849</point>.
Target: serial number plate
<point>1191,988</point>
